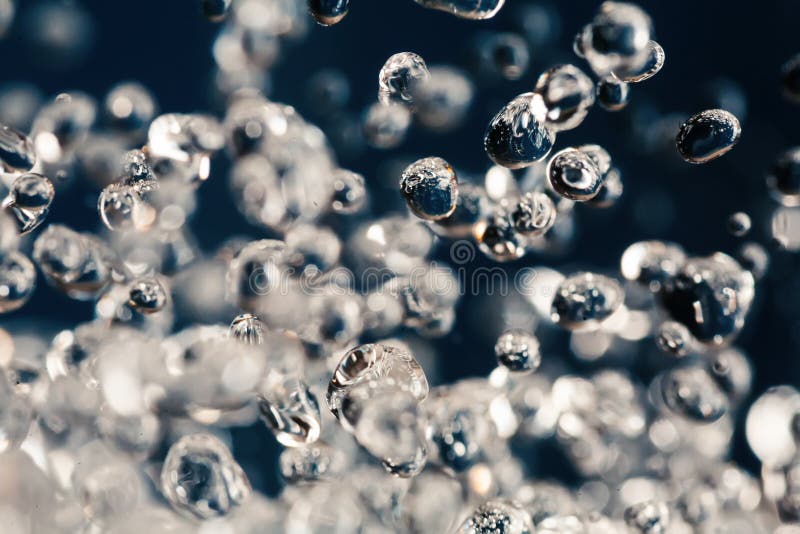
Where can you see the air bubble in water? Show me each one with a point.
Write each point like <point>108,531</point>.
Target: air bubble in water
<point>649,68</point>
<point>574,175</point>
<point>200,477</point>
<point>328,12</point>
<point>400,76</point>
<point>534,214</point>
<point>585,300</point>
<point>467,9</point>
<point>708,135</point>
<point>517,136</point>
<point>565,93</point>
<point>518,351</point>
<point>430,188</point>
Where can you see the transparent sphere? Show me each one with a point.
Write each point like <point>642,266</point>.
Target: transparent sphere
<point>129,107</point>
<point>739,224</point>
<point>349,192</point>
<point>652,263</point>
<point>691,392</point>
<point>674,339</point>
<point>312,249</point>
<point>200,477</point>
<point>565,93</point>
<point>573,174</point>
<point>400,76</point>
<point>711,297</point>
<point>147,295</point>
<point>584,300</point>
<point>534,214</point>
<point>708,135</point>
<point>518,136</point>
<point>17,152</point>
<point>518,351</point>
<point>430,188</point>
<point>29,201</point>
<point>783,179</point>
<point>443,101</point>
<point>640,71</point>
<point>618,36</point>
<point>328,12</point>
<point>612,93</point>
<point>503,55</point>
<point>497,517</point>
<point>121,208</point>
<point>248,329</point>
<point>17,280</point>
<point>497,237</point>
<point>385,126</point>
<point>768,427</point>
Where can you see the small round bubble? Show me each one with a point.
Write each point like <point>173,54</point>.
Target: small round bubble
<point>517,136</point>
<point>430,188</point>
<point>574,175</point>
<point>518,351</point>
<point>534,214</point>
<point>17,280</point>
<point>612,93</point>
<point>739,224</point>
<point>147,295</point>
<point>565,93</point>
<point>400,76</point>
<point>708,135</point>
<point>328,12</point>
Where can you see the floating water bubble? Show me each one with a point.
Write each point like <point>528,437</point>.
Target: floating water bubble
<point>497,517</point>
<point>430,188</point>
<point>618,38</point>
<point>138,173</point>
<point>289,409</point>
<point>573,174</point>
<point>674,338</point>
<point>790,78</point>
<point>739,224</point>
<point>648,517</point>
<point>783,179</point>
<point>121,208</point>
<point>17,152</point>
<point>147,295</point>
<point>17,280</point>
<point>200,477</point>
<point>652,263</point>
<point>517,136</point>
<point>691,392</point>
<point>129,107</point>
<point>710,296</point>
<point>612,93</point>
<point>443,101</point>
<point>215,10</point>
<point>707,135</point>
<point>29,201</point>
<point>565,94</point>
<point>400,76</point>
<point>311,463</point>
<point>497,238</point>
<point>754,258</point>
<point>471,205</point>
<point>349,192</point>
<point>312,249</point>
<point>385,126</point>
<point>585,299</point>
<point>768,427</point>
<point>328,12</point>
<point>467,9</point>
<point>610,192</point>
<point>503,55</point>
<point>633,73</point>
<point>247,328</point>
<point>534,215</point>
<point>62,126</point>
<point>731,370</point>
<point>518,351</point>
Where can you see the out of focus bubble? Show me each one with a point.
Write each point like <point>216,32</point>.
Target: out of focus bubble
<point>60,34</point>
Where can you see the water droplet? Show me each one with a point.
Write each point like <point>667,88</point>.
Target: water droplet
<point>648,517</point>
<point>517,136</point>
<point>443,101</point>
<point>739,224</point>
<point>707,135</point>
<point>311,463</point>
<point>349,192</point>
<point>400,76</point>
<point>732,371</point>
<point>518,351</point>
<point>650,67</point>
<point>534,214</point>
<point>29,201</point>
<point>147,295</point>
<point>248,329</point>
<point>17,280</point>
<point>129,107</point>
<point>62,126</point>
<point>497,238</point>
<point>503,55</point>
<point>385,126</point>
<point>566,94</point>
<point>768,426</point>
<point>573,174</point>
<point>497,517</point>
<point>200,477</point>
<point>430,188</point>
<point>289,409</point>
<point>612,93</point>
<point>467,9</point>
<point>754,258</point>
<point>674,338</point>
<point>652,263</point>
<point>711,296</point>
<point>693,393</point>
<point>585,299</point>
<point>17,153</point>
<point>121,208</point>
<point>618,38</point>
<point>328,12</point>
